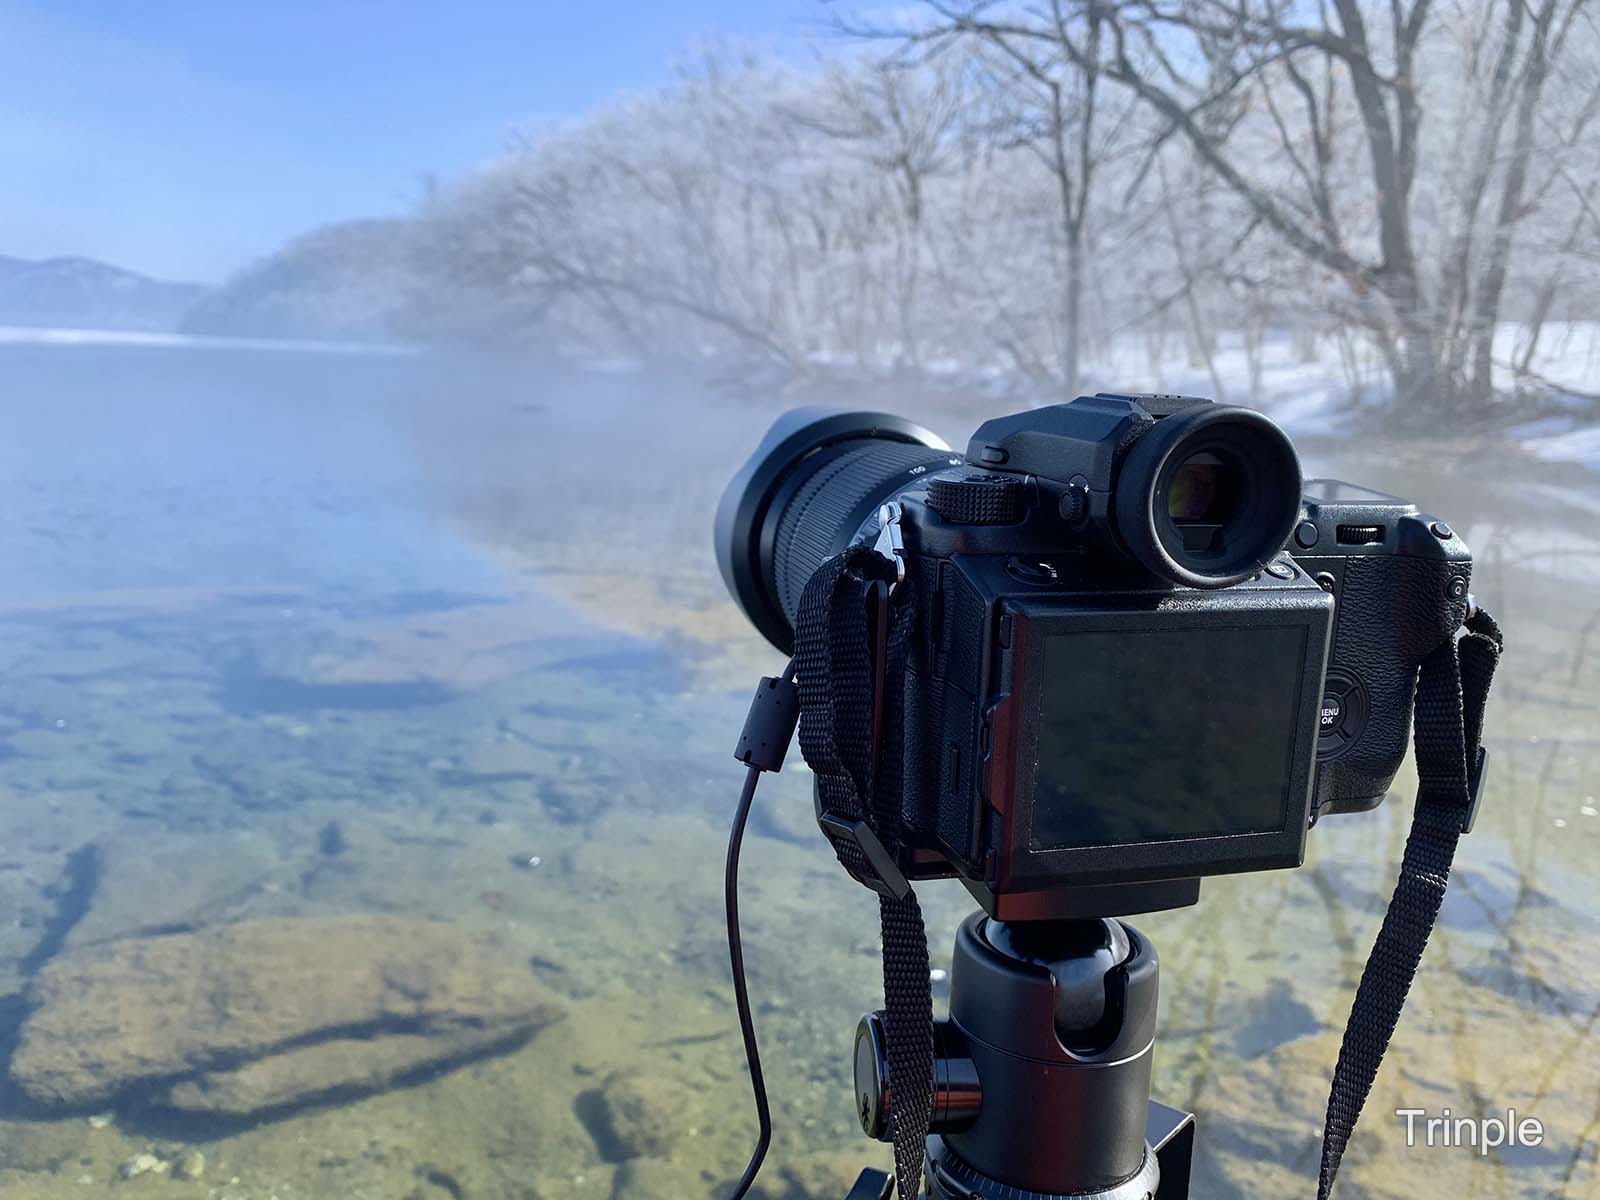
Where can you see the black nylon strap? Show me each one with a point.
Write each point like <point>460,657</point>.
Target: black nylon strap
<point>851,633</point>
<point>908,1036</point>
<point>1452,688</point>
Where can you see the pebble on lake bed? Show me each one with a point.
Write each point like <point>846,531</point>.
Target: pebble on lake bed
<point>144,1164</point>
<point>191,1165</point>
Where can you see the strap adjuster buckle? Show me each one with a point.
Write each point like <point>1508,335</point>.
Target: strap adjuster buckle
<point>885,876</point>
<point>1475,790</point>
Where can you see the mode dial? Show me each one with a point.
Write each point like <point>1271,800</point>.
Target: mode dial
<point>978,499</point>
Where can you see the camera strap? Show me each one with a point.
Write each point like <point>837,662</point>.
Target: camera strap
<point>1452,687</point>
<point>851,632</point>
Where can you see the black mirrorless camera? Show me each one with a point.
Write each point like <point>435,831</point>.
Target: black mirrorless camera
<point>1144,650</point>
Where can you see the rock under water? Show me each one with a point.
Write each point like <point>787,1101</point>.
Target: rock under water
<point>270,1013</point>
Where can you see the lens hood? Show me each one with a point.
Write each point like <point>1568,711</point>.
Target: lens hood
<point>746,506</point>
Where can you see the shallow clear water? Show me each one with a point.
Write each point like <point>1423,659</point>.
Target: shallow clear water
<point>288,638</point>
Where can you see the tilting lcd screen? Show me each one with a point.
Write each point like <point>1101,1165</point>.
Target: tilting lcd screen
<point>1152,735</point>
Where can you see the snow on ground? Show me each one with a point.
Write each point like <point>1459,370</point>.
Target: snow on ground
<point>1306,389</point>
<point>1578,443</point>
<point>1318,394</point>
<point>1568,355</point>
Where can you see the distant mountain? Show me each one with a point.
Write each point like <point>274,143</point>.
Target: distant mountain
<point>81,293</point>
<point>355,280</point>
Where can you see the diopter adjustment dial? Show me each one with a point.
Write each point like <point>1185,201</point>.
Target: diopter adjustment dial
<point>978,499</point>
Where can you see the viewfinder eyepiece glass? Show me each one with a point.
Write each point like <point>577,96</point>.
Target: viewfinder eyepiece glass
<point>1204,490</point>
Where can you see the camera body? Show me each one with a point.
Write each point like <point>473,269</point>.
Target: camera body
<point>1140,655</point>
<point>1401,579</point>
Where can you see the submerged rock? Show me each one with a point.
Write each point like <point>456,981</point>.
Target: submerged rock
<point>270,1013</point>
<point>641,1115</point>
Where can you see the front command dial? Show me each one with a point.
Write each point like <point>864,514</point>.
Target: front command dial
<point>978,499</point>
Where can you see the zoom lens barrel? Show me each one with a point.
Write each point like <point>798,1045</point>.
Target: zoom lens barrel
<point>805,493</point>
<point>831,495</point>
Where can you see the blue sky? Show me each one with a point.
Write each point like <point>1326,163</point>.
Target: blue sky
<point>185,138</point>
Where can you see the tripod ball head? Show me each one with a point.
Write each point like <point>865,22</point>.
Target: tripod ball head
<point>1042,1071</point>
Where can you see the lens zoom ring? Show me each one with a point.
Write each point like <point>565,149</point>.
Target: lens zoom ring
<point>826,510</point>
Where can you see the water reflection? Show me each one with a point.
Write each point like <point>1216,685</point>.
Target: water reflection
<point>438,641</point>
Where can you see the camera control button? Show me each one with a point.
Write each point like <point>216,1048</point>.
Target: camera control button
<point>993,455</point>
<point>1074,505</point>
<point>1441,531</point>
<point>1332,714</point>
<point>1341,714</point>
<point>1280,569</point>
<point>1305,535</point>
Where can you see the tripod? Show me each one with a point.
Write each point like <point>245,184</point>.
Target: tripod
<point>1041,1072</point>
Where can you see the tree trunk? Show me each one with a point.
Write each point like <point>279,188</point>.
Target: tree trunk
<point>1491,286</point>
<point>1541,313</point>
<point>1073,316</point>
<point>1255,336</point>
<point>1421,386</point>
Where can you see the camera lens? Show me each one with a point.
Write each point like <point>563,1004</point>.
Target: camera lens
<point>1208,495</point>
<point>816,478</point>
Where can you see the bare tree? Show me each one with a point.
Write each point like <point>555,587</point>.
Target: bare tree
<point>1509,105</point>
<point>1334,93</point>
<point>1202,337</point>
<point>906,126</point>
<point>1049,99</point>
